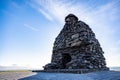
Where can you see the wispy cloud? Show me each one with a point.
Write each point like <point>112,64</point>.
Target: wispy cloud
<point>46,14</point>
<point>59,9</point>
<point>101,18</point>
<point>56,9</point>
<point>30,27</point>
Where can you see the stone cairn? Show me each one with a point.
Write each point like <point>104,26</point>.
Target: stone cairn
<point>76,48</point>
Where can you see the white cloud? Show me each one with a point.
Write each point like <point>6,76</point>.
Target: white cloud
<point>30,27</point>
<point>56,9</point>
<point>101,19</point>
<point>46,15</point>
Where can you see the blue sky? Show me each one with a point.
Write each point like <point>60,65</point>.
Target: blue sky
<point>28,28</point>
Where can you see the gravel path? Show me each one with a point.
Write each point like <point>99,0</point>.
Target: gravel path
<point>15,75</point>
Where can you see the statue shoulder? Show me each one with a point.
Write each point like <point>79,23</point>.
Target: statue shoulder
<point>81,23</point>
<point>82,26</point>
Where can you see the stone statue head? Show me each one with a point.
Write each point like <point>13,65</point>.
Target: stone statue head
<point>71,19</point>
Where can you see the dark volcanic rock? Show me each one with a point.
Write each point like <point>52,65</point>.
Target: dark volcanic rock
<point>76,47</point>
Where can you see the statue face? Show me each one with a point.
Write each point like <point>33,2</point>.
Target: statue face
<point>70,20</point>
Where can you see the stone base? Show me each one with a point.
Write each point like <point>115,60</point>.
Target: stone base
<point>77,71</point>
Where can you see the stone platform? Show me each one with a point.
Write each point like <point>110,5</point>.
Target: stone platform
<point>76,71</point>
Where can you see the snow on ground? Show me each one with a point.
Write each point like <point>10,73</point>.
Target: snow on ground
<point>104,75</point>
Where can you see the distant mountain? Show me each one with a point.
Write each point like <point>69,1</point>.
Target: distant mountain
<point>115,68</point>
<point>3,68</point>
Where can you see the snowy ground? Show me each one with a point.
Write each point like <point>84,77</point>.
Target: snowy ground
<point>105,75</point>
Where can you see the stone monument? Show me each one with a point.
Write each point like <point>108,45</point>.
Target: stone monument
<point>76,47</point>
